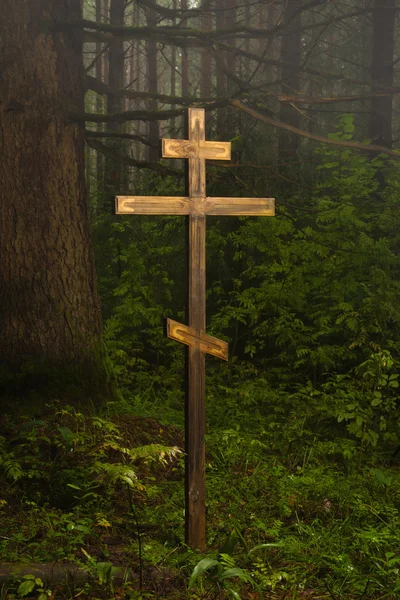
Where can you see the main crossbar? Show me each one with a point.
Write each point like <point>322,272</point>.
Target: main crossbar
<point>179,205</point>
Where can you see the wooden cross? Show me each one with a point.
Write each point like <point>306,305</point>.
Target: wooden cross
<point>196,206</point>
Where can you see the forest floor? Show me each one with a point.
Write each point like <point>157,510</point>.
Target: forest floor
<point>106,493</point>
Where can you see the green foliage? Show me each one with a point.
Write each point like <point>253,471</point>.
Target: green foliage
<point>302,442</point>
<point>65,470</point>
<point>32,583</point>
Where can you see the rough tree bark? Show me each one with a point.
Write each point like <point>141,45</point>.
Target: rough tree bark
<point>49,307</point>
<point>383,21</point>
<point>290,54</point>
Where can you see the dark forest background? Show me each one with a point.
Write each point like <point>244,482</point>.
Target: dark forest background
<point>303,439</point>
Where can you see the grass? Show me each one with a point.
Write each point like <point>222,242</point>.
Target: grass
<point>107,490</point>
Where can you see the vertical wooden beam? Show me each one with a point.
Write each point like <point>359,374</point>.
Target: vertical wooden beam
<point>195,496</point>
<point>197,206</point>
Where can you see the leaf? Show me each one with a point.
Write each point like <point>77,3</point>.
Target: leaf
<point>67,435</point>
<point>236,572</point>
<point>83,528</point>
<point>86,554</point>
<point>200,568</point>
<point>104,572</point>
<point>270,545</point>
<point>32,423</point>
<point>26,587</point>
<point>228,546</point>
<point>235,594</point>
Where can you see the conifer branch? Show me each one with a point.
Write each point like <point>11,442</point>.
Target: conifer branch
<point>311,136</point>
<point>127,160</point>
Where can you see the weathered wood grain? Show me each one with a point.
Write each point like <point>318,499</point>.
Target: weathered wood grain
<point>196,338</point>
<point>152,205</point>
<point>180,205</point>
<point>196,205</point>
<point>197,165</point>
<point>250,207</point>
<point>191,149</point>
<point>195,495</point>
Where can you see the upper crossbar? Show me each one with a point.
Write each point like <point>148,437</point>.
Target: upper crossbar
<point>196,149</point>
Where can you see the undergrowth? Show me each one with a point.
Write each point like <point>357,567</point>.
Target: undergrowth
<point>307,520</point>
<point>302,443</point>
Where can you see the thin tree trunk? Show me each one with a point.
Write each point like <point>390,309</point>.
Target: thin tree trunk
<point>116,60</point>
<point>154,129</point>
<point>106,16</point>
<point>173,74</point>
<point>139,86</point>
<point>383,21</point>
<point>49,306</point>
<point>246,60</point>
<point>262,42</point>
<point>185,57</point>
<point>99,104</point>
<point>205,61</point>
<point>220,75</point>
<point>290,54</point>
<point>230,22</point>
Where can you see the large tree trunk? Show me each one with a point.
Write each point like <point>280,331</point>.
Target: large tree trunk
<point>49,306</point>
<point>290,54</point>
<point>383,21</point>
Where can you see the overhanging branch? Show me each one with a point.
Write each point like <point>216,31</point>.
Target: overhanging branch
<point>299,99</point>
<point>172,34</point>
<point>141,115</point>
<point>123,136</point>
<point>129,115</point>
<point>127,160</point>
<point>101,88</point>
<point>310,136</point>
